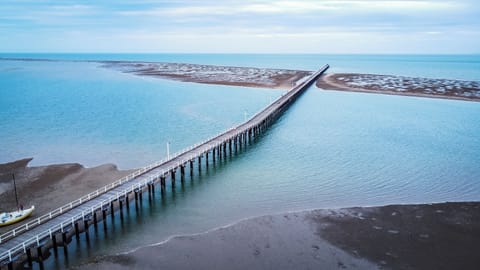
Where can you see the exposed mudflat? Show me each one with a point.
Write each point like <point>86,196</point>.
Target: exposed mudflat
<point>429,236</point>
<point>209,74</point>
<point>52,186</point>
<point>399,85</point>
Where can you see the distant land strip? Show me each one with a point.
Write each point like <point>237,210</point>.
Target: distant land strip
<point>400,85</point>
<point>210,74</point>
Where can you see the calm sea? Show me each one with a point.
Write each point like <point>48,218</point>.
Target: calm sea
<point>331,149</point>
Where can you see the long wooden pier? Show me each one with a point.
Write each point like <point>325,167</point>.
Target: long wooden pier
<point>30,241</point>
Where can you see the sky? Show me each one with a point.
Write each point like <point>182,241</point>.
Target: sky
<point>246,26</point>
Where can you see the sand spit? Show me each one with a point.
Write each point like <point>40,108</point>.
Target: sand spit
<point>399,85</point>
<point>209,74</point>
<point>49,187</point>
<point>429,236</point>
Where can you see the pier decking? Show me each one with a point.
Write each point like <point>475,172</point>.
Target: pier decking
<point>53,229</point>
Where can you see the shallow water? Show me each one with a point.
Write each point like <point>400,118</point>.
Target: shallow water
<point>330,149</point>
<point>60,112</point>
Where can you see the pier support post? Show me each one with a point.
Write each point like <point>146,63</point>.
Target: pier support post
<point>104,215</point>
<point>54,244</point>
<point>127,201</point>
<point>87,233</point>
<point>213,155</point>
<point>120,206</point>
<point>65,243</point>
<point>199,163</point>
<point>182,171</point>
<point>95,221</point>
<point>172,175</point>
<point>206,159</point>
<point>150,193</point>
<point>77,231</point>
<point>29,258</point>
<point>162,183</point>
<point>191,167</point>
<point>112,210</point>
<point>40,257</point>
<point>10,265</point>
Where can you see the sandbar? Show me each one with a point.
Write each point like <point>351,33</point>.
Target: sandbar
<point>211,74</point>
<point>400,85</point>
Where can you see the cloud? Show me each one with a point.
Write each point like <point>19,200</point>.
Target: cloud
<point>263,23</point>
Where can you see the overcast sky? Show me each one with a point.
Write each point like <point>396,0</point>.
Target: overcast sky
<point>246,26</point>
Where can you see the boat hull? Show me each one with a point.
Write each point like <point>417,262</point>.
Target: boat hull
<point>16,216</point>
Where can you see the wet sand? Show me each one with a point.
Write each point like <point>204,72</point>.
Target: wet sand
<point>52,186</point>
<point>210,74</point>
<point>399,85</point>
<point>429,236</point>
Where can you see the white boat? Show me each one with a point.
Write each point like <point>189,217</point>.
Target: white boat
<point>15,216</point>
<point>8,218</point>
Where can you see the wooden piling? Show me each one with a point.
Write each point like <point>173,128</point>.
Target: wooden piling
<point>40,257</point>
<point>104,215</point>
<point>85,229</point>
<point>54,244</point>
<point>65,244</point>
<point>29,258</point>
<point>77,232</point>
<point>120,206</point>
<point>162,183</point>
<point>172,175</point>
<point>95,220</point>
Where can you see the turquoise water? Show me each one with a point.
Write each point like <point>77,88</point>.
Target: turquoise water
<point>331,149</point>
<point>60,112</point>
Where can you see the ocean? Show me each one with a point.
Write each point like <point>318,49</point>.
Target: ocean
<point>329,150</point>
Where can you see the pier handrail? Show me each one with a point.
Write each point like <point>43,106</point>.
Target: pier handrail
<point>49,216</point>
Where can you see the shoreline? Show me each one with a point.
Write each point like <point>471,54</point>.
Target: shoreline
<point>322,238</point>
<point>51,186</point>
<point>312,238</point>
<point>407,86</point>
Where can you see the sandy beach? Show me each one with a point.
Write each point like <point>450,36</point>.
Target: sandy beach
<point>428,236</point>
<point>49,187</point>
<point>399,85</point>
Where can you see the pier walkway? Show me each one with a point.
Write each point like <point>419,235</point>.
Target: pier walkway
<point>30,241</point>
